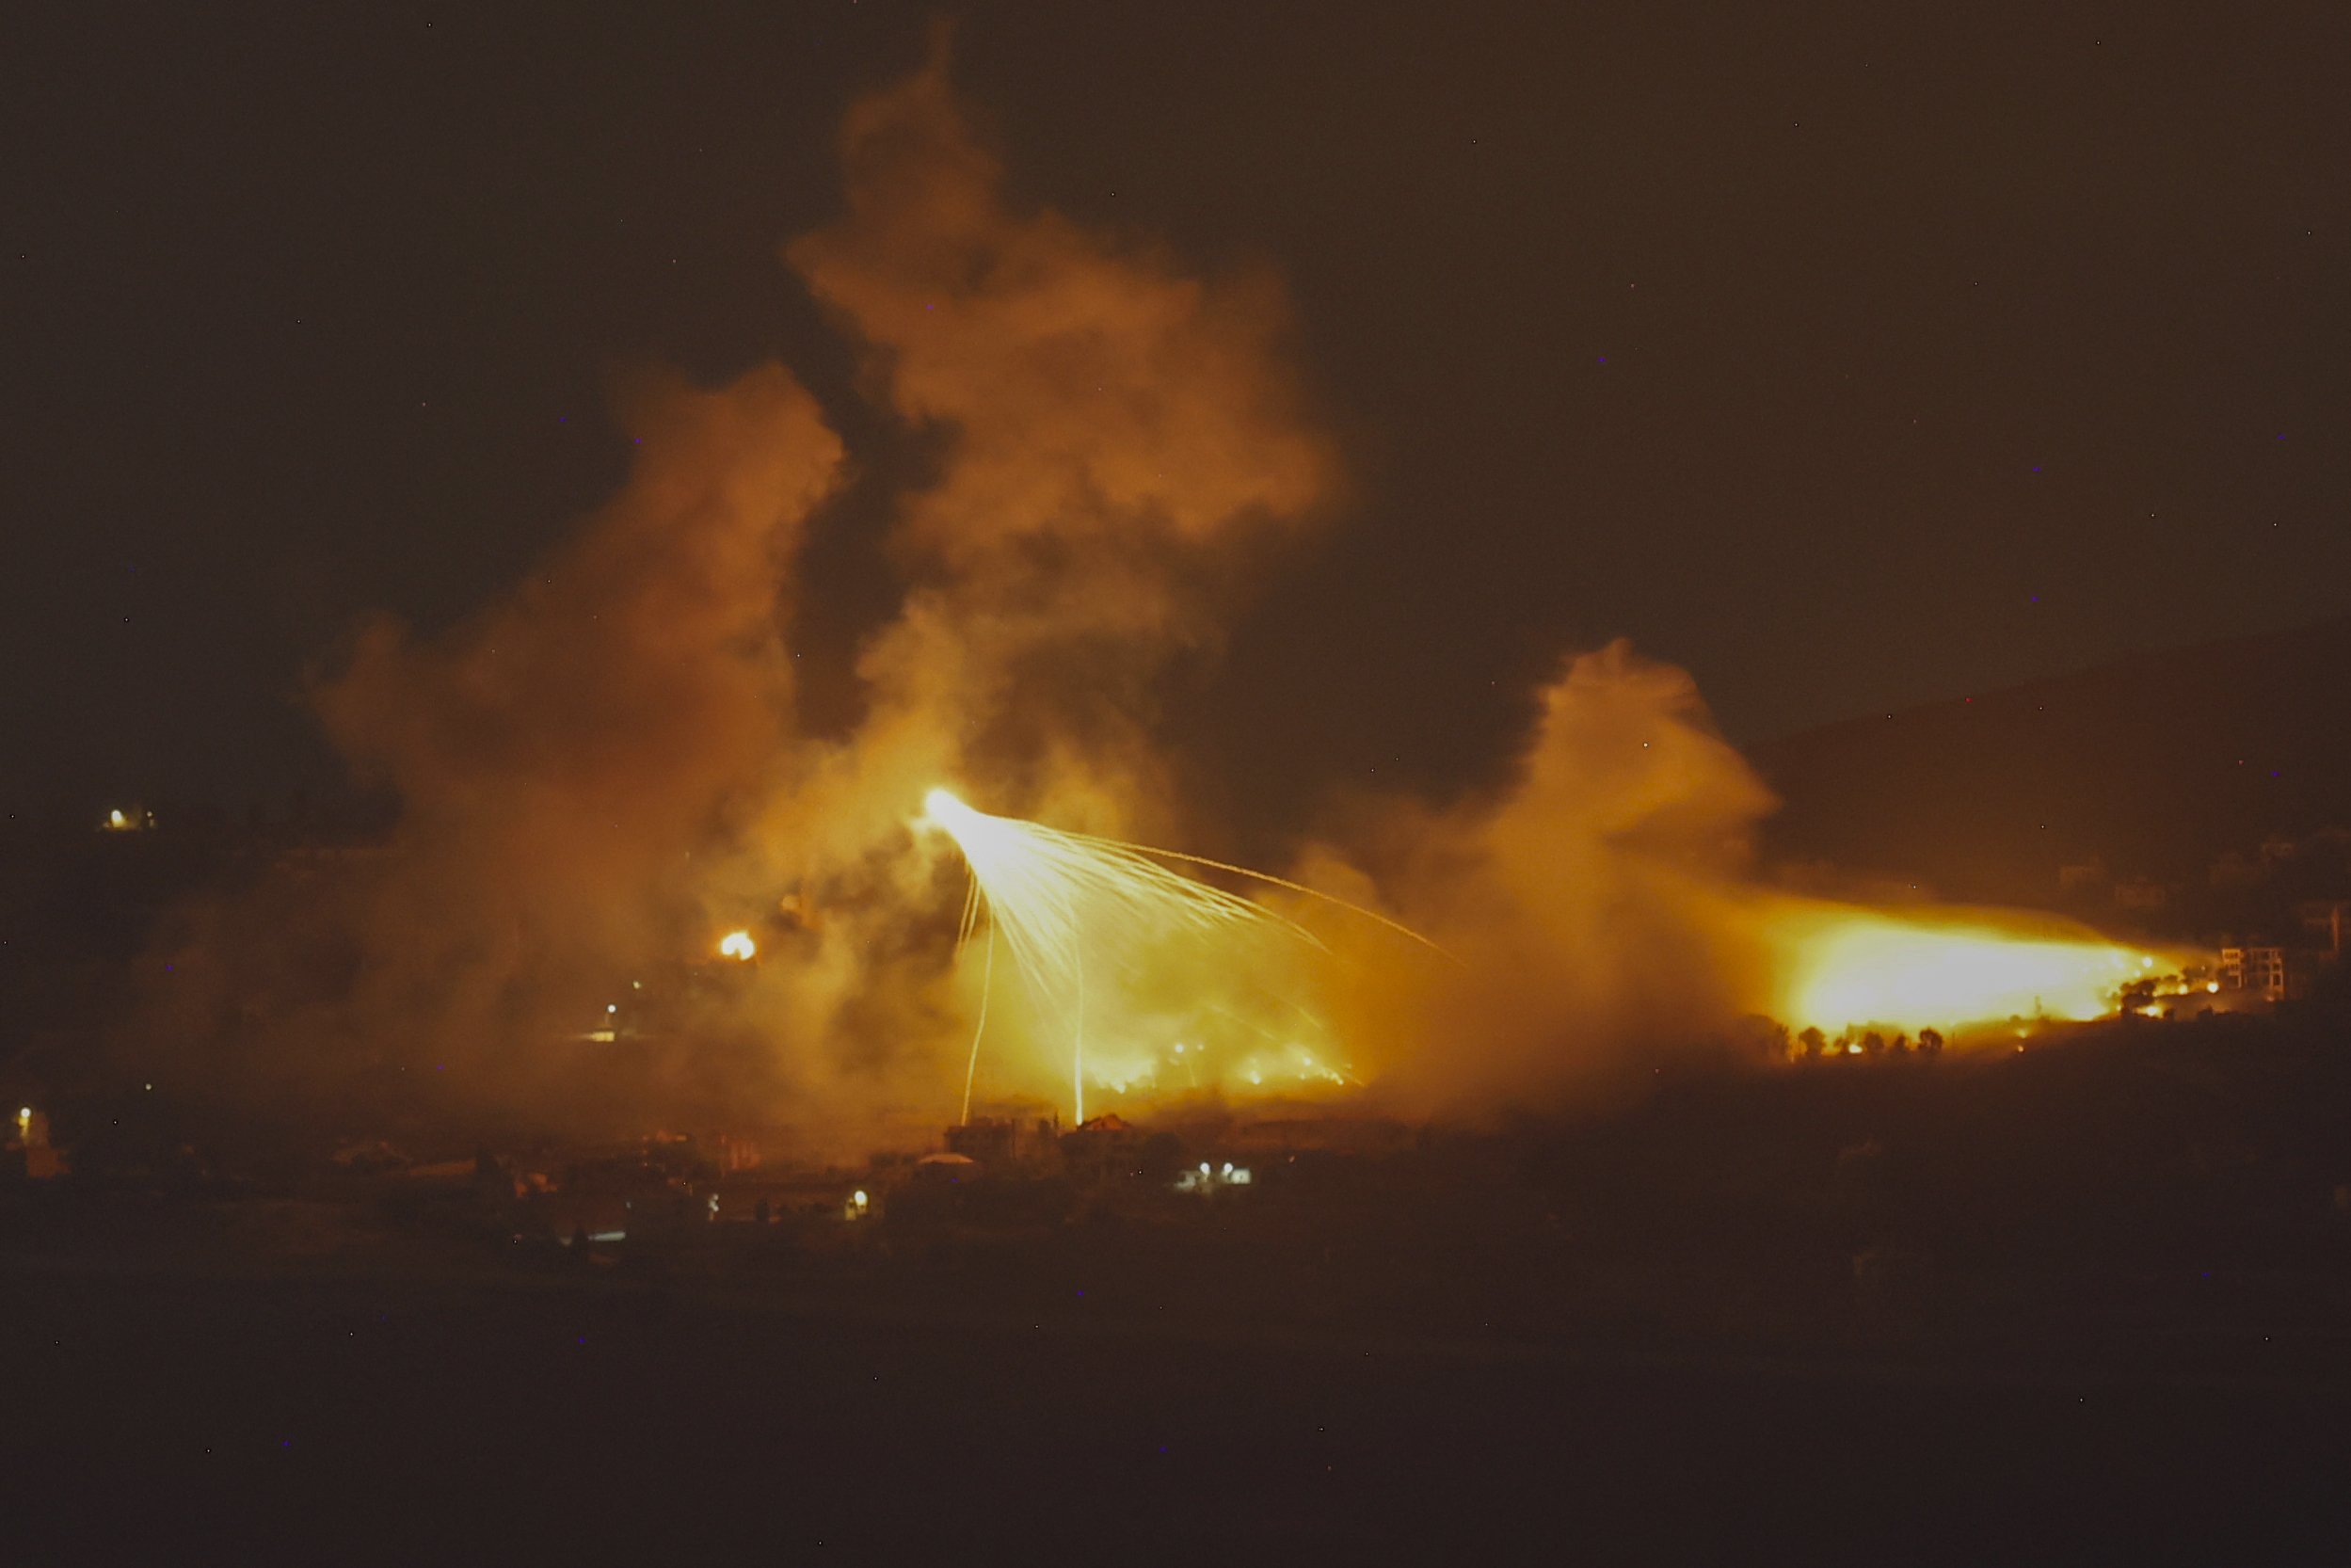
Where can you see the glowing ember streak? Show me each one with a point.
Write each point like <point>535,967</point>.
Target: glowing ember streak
<point>980,1027</point>
<point>738,945</point>
<point>1851,967</point>
<point>1062,900</point>
<point>1055,895</point>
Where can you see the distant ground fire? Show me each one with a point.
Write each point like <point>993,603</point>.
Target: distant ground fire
<point>1952,970</point>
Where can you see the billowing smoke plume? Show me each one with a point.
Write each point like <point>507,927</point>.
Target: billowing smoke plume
<point>1121,434</point>
<point>1608,923</point>
<point>1588,903</point>
<point>569,763</point>
<point>601,773</point>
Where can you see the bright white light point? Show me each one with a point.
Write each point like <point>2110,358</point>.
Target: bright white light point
<point>114,818</point>
<point>738,945</point>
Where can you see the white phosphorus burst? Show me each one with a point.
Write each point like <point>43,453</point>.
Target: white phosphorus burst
<point>1056,896</point>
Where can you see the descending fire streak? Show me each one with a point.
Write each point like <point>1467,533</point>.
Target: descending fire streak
<point>1054,894</point>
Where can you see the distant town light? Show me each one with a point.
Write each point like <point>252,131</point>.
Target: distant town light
<point>738,946</point>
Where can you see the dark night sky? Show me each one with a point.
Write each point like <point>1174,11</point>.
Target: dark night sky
<point>1852,357</point>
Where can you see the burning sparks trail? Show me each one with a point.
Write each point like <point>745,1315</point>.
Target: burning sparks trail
<point>1059,897</point>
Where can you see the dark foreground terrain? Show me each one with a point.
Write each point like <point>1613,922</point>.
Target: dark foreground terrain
<point>2089,1306</point>
<point>401,1421</point>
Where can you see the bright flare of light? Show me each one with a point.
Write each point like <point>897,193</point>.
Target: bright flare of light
<point>738,945</point>
<point>1057,897</point>
<point>1075,910</point>
<point>1851,967</point>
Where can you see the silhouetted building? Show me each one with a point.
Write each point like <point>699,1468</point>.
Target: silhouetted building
<point>1009,1144</point>
<point>2329,920</point>
<point>1102,1149</point>
<point>2270,970</point>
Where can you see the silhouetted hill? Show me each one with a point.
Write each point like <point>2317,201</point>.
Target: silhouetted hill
<point>2155,767</point>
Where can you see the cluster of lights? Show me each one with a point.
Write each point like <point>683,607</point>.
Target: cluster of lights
<point>1208,1178</point>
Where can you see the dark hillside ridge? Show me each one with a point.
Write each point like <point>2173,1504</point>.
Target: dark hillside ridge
<point>2153,768</point>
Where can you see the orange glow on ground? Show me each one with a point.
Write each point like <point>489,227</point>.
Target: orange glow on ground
<point>1848,967</point>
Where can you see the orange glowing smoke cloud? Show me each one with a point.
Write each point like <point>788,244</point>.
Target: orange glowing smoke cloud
<point>608,765</point>
<point>1605,907</point>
